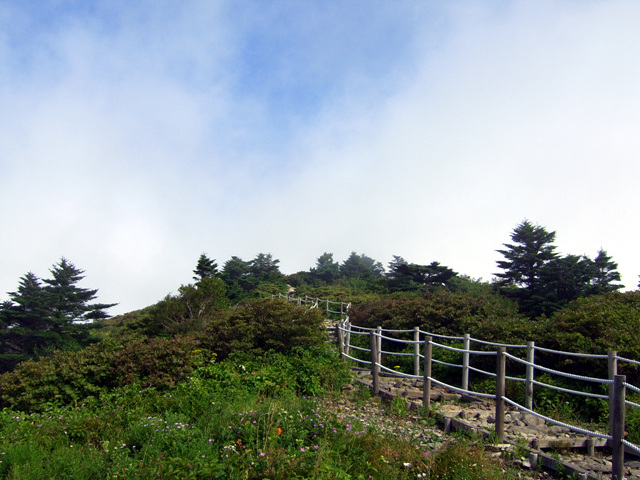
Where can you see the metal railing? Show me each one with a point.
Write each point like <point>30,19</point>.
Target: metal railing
<point>423,344</point>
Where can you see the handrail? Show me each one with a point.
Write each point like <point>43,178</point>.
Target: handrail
<point>615,395</point>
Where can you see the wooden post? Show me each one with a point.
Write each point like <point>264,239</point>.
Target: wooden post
<point>617,458</point>
<point>528,389</point>
<point>465,361</point>
<point>426,386</point>
<point>613,371</point>
<point>340,326</point>
<point>500,391</point>
<point>416,351</point>
<point>375,369</point>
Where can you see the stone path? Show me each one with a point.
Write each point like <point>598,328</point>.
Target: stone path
<point>549,446</point>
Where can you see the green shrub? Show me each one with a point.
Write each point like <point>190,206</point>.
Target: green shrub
<point>69,378</point>
<point>262,325</point>
<point>595,325</point>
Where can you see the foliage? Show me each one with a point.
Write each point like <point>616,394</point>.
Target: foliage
<point>361,266</point>
<point>326,268</point>
<point>190,309</point>
<point>441,312</point>
<point>542,281</point>
<point>41,317</point>
<point>252,279</point>
<point>462,460</point>
<point>595,325</point>
<point>69,378</point>
<point>410,276</point>
<point>217,424</point>
<point>262,325</point>
<point>205,268</point>
<point>525,259</point>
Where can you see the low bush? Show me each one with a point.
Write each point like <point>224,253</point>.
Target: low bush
<point>262,325</point>
<point>70,378</point>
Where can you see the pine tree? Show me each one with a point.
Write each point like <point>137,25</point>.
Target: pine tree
<point>604,275</point>
<point>326,268</point>
<point>70,303</point>
<point>205,268</point>
<point>524,267</point>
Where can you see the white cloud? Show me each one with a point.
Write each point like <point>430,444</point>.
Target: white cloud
<point>135,140</point>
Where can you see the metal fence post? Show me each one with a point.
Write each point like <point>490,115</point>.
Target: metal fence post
<point>416,351</point>
<point>500,391</point>
<point>465,361</point>
<point>374,363</point>
<point>617,460</point>
<point>528,389</point>
<point>426,385</point>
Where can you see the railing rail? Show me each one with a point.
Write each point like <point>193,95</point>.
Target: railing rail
<point>616,383</point>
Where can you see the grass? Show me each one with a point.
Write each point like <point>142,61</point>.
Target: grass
<point>238,419</point>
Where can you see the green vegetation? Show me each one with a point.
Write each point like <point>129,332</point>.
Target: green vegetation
<point>136,407</point>
<point>221,381</point>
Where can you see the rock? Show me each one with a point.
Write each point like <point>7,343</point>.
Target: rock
<point>558,430</point>
<point>531,420</point>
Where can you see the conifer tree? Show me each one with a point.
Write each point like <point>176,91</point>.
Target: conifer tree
<point>524,266</point>
<point>205,268</point>
<point>40,317</point>
<point>70,303</point>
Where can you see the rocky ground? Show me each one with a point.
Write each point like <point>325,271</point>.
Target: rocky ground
<point>524,432</point>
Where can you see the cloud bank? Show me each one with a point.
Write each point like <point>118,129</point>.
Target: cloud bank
<point>135,137</point>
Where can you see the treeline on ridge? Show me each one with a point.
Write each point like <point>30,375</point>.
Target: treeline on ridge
<point>530,297</point>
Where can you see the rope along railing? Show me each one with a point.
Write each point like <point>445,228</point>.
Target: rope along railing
<point>422,345</point>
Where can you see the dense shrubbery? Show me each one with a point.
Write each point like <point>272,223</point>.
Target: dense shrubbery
<point>241,418</point>
<point>69,378</point>
<point>445,313</point>
<point>263,325</point>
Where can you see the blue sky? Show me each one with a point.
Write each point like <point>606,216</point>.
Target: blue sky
<point>136,135</point>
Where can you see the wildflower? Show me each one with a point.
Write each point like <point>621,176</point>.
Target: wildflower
<point>262,454</point>
<point>406,464</point>
<point>279,431</point>
<point>302,449</point>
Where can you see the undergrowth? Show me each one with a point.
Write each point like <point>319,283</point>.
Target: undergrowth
<point>243,418</point>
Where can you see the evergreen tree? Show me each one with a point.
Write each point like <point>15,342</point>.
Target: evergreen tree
<point>326,268</point>
<point>410,276</point>
<point>205,268</point>
<point>605,274</point>
<point>524,266</point>
<point>264,268</point>
<point>235,273</point>
<point>40,318</point>
<point>70,303</point>
<point>567,279</point>
<point>361,266</point>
